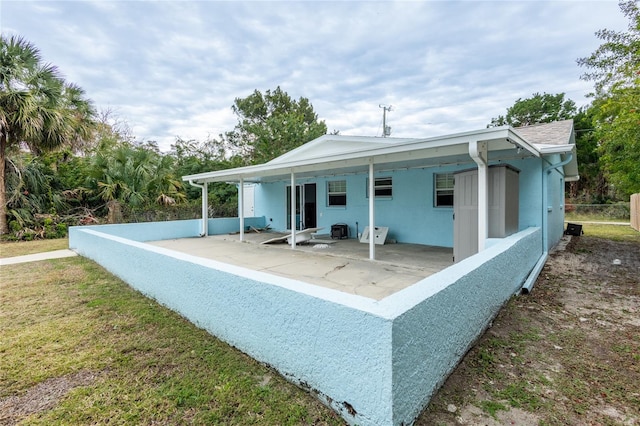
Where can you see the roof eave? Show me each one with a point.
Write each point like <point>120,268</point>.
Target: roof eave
<point>556,149</point>
<point>409,149</point>
<point>571,168</point>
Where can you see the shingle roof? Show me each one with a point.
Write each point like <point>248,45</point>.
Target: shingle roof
<point>556,133</point>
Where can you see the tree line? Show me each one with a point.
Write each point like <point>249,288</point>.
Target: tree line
<point>607,130</point>
<point>64,163</point>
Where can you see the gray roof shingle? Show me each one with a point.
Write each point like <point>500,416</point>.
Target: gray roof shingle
<point>556,133</point>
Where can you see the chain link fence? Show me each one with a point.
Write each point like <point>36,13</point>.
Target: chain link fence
<point>614,212</point>
<point>176,212</point>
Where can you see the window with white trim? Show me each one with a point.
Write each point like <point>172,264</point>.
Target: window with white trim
<point>337,193</point>
<point>443,189</point>
<point>382,187</point>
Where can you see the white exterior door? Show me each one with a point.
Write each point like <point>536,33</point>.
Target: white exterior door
<point>249,201</point>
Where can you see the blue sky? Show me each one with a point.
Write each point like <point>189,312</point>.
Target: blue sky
<point>174,68</point>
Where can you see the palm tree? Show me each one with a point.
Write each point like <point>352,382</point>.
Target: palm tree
<point>38,109</point>
<point>135,175</point>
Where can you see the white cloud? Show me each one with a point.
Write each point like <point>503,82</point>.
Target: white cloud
<point>174,68</point>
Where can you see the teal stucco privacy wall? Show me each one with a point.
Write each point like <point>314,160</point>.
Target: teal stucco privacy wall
<point>155,231</point>
<point>375,362</point>
<point>437,320</point>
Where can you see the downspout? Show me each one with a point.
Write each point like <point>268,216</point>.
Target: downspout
<point>241,207</point>
<point>533,275</point>
<point>205,211</point>
<point>372,212</point>
<point>293,210</point>
<point>478,152</point>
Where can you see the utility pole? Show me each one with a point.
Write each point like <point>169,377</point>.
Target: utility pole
<point>386,130</point>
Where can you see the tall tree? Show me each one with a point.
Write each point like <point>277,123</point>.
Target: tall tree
<point>592,186</point>
<point>538,108</point>
<point>192,157</point>
<point>270,125</point>
<point>615,70</point>
<point>38,109</point>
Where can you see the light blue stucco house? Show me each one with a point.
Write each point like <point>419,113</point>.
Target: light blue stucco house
<point>495,196</point>
<point>407,185</point>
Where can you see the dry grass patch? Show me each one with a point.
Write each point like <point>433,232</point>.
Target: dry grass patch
<point>21,248</point>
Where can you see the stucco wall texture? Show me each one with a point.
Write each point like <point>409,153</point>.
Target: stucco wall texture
<point>374,362</point>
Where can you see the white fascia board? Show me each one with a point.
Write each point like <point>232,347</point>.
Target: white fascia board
<point>343,160</point>
<point>555,149</point>
<point>213,176</point>
<point>412,148</point>
<point>408,149</point>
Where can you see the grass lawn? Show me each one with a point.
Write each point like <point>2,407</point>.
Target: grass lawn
<point>78,346</point>
<point>611,232</point>
<point>20,248</point>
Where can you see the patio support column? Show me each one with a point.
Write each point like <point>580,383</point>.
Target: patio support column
<point>241,207</point>
<point>372,213</point>
<point>205,209</point>
<point>479,153</point>
<point>293,210</point>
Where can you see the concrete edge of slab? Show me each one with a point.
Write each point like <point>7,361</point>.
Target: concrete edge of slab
<point>56,254</point>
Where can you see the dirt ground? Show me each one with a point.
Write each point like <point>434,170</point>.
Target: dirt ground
<point>41,397</point>
<point>566,354</point>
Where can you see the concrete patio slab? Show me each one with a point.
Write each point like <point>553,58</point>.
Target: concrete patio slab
<point>337,264</point>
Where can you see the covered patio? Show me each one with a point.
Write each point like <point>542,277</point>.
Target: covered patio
<point>372,330</point>
<point>341,265</point>
<point>336,155</point>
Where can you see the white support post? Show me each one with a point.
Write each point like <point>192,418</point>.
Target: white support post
<point>479,153</point>
<point>241,207</point>
<point>483,205</point>
<point>205,209</point>
<point>372,213</point>
<point>293,210</point>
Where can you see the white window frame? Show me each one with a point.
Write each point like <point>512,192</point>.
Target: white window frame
<point>335,193</point>
<point>379,186</point>
<point>447,179</point>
